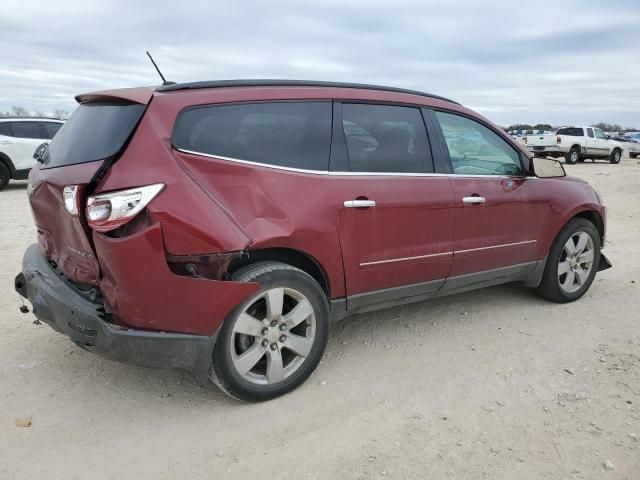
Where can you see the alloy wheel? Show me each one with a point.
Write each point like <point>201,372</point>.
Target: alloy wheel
<point>272,336</point>
<point>576,262</point>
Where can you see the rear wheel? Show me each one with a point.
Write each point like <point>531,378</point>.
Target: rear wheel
<point>572,156</point>
<point>272,342</point>
<point>615,157</point>
<point>633,155</point>
<point>572,262</point>
<point>5,176</point>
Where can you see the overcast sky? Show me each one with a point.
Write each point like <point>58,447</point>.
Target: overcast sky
<point>521,61</point>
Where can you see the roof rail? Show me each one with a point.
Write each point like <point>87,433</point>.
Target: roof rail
<point>28,117</point>
<point>290,83</point>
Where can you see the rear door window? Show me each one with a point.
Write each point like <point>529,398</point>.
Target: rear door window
<point>95,131</point>
<point>287,134</point>
<point>50,129</point>
<point>26,130</point>
<point>477,150</point>
<point>385,138</point>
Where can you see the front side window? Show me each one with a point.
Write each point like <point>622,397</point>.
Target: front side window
<point>384,138</point>
<point>590,132</point>
<point>5,129</point>
<point>475,149</point>
<point>26,130</point>
<point>288,134</point>
<point>600,134</point>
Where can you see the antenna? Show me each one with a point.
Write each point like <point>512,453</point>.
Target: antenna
<point>164,81</point>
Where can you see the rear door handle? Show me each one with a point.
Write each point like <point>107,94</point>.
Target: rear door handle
<point>359,203</point>
<point>474,200</point>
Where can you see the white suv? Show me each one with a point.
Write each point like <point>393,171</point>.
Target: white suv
<point>19,138</point>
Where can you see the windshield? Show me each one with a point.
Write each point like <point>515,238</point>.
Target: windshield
<point>95,131</point>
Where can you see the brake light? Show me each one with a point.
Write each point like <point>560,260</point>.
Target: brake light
<point>70,197</point>
<point>558,139</point>
<point>109,211</point>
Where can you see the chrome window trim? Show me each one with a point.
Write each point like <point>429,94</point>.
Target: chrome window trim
<point>346,174</point>
<point>392,260</point>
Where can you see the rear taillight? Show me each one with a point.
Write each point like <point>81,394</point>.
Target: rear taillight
<point>70,197</point>
<point>558,139</point>
<point>109,211</point>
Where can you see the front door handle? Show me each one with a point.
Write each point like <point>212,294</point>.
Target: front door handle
<point>474,200</point>
<point>359,203</point>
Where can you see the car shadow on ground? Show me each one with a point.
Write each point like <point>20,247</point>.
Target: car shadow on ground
<point>16,185</point>
<point>372,328</point>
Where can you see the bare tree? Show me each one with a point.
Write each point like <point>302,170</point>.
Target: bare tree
<point>61,114</point>
<point>19,111</point>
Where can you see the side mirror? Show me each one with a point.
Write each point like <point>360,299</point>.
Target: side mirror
<point>608,137</point>
<point>545,168</point>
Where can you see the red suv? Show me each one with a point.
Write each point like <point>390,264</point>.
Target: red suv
<point>218,227</point>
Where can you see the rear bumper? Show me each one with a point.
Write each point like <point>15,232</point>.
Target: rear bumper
<point>67,311</point>
<point>549,150</point>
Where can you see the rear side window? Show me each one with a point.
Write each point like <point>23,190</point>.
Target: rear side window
<point>95,131</point>
<point>26,130</point>
<point>50,129</point>
<point>287,134</point>
<point>571,132</point>
<point>5,129</point>
<point>385,138</point>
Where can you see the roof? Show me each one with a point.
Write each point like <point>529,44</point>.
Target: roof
<point>289,83</point>
<point>47,119</point>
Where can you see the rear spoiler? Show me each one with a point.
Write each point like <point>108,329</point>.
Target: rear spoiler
<point>141,95</point>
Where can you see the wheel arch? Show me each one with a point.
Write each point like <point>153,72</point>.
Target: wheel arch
<point>594,217</point>
<point>289,256</point>
<point>4,159</point>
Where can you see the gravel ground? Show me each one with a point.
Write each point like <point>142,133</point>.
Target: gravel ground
<point>490,384</point>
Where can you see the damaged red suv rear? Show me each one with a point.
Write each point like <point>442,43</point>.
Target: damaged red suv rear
<point>218,227</point>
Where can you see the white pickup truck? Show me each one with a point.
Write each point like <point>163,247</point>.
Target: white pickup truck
<point>575,144</point>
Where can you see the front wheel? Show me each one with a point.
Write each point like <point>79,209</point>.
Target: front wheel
<point>272,342</point>
<point>572,262</point>
<point>615,157</point>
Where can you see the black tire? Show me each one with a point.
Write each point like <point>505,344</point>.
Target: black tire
<point>5,176</point>
<point>550,287</point>
<point>572,156</point>
<point>633,155</point>
<point>223,372</point>
<point>615,157</point>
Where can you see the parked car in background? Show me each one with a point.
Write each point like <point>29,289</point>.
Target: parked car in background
<point>278,206</point>
<point>19,138</point>
<point>631,145</point>
<point>575,144</point>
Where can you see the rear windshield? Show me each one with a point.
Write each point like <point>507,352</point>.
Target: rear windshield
<point>95,131</point>
<point>571,132</point>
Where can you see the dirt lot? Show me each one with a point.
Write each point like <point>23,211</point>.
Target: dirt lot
<point>490,384</point>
